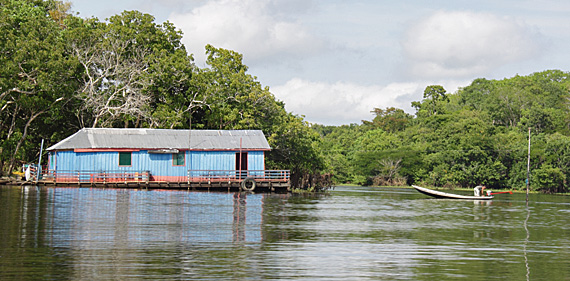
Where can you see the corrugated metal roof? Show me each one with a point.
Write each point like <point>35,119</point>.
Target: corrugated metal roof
<point>98,138</point>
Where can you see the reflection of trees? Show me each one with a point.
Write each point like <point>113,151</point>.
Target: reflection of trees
<point>25,248</point>
<point>285,217</point>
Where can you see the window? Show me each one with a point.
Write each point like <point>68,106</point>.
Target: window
<point>178,158</point>
<point>125,158</point>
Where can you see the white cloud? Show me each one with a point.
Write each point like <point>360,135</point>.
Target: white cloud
<point>463,44</point>
<point>341,103</point>
<point>251,27</point>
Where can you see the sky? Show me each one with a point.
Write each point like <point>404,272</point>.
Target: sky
<point>334,61</point>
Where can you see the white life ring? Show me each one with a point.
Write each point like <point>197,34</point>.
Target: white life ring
<point>244,184</point>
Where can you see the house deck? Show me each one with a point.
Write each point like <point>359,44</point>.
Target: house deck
<point>231,180</point>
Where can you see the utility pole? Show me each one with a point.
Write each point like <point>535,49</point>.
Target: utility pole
<point>528,167</point>
<point>39,169</point>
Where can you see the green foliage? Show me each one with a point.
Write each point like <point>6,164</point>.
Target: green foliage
<point>36,77</point>
<point>549,179</point>
<point>367,145</point>
<point>435,99</point>
<point>391,119</point>
<point>234,99</point>
<point>478,135</point>
<point>295,147</point>
<point>135,72</point>
<point>337,150</point>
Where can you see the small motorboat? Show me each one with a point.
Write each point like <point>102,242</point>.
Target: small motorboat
<point>445,195</point>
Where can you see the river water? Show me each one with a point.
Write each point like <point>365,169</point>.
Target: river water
<point>350,233</point>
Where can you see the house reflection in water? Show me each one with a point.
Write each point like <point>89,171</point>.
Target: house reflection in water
<point>126,218</point>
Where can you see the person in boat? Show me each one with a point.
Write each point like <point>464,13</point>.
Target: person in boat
<point>479,190</point>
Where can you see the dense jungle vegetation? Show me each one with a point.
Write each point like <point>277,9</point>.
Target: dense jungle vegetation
<point>478,135</point>
<point>60,73</point>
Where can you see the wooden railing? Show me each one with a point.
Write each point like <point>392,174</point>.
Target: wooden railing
<point>237,175</point>
<point>96,176</point>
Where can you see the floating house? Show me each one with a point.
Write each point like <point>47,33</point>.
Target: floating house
<point>164,158</point>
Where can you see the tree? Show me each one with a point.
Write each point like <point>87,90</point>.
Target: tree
<point>369,149</point>
<point>557,153</point>
<point>36,74</point>
<point>295,147</point>
<point>539,119</point>
<point>390,119</point>
<point>136,72</point>
<point>227,97</point>
<point>169,69</point>
<point>235,99</point>
<point>549,179</point>
<point>433,103</point>
<point>388,171</point>
<point>337,149</point>
<point>114,85</point>
<point>115,79</point>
